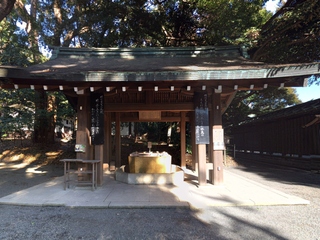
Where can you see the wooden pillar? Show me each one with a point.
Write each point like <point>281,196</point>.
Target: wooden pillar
<point>210,147</point>
<point>99,156</point>
<point>193,142</point>
<point>83,126</point>
<point>201,119</point>
<point>217,172</point>
<point>183,139</point>
<point>107,148</point>
<point>118,141</point>
<point>202,165</point>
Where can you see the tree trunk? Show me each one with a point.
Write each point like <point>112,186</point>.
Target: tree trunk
<point>5,8</point>
<point>44,118</point>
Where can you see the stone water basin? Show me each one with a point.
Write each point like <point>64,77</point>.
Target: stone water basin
<point>175,177</point>
<point>150,168</point>
<point>149,162</point>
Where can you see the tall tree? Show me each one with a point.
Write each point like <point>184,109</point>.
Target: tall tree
<point>291,35</point>
<point>20,47</point>
<point>6,7</point>
<point>134,23</point>
<point>227,21</point>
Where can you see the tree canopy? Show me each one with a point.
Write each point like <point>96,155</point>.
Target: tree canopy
<point>290,35</point>
<point>248,104</point>
<point>121,23</point>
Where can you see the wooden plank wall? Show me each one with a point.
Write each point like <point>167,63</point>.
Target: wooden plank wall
<point>285,137</point>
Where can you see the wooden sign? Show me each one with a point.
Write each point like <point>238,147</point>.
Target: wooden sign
<point>150,115</point>
<point>202,119</point>
<point>97,119</point>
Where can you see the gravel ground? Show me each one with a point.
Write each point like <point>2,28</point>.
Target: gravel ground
<point>260,222</point>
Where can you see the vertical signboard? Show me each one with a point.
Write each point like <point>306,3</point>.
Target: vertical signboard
<point>202,119</point>
<point>97,119</point>
<point>218,139</point>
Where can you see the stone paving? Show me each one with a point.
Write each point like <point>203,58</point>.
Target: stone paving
<point>236,191</point>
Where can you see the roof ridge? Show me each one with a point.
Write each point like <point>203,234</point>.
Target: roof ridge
<point>196,51</point>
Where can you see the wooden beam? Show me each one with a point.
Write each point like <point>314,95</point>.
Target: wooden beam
<point>127,107</point>
<point>163,119</point>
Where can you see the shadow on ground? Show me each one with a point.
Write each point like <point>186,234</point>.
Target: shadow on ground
<point>279,173</point>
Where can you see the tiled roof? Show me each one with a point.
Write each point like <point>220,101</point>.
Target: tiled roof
<point>226,66</point>
<point>150,64</point>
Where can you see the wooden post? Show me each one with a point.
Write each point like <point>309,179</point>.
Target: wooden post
<point>202,127</point>
<point>107,149</point>
<point>193,142</point>
<point>202,165</point>
<point>99,155</point>
<point>183,139</point>
<point>118,141</point>
<point>210,147</point>
<point>217,172</point>
<point>83,132</point>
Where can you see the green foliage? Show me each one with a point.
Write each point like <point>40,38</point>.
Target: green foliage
<point>12,46</point>
<point>247,104</point>
<point>229,21</point>
<point>63,110</point>
<point>17,111</point>
<point>291,35</point>
<point>95,23</point>
<point>138,23</point>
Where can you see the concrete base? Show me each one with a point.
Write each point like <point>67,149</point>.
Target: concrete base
<point>175,177</point>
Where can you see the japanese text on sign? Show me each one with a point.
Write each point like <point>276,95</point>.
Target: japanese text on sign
<point>202,119</point>
<point>97,120</point>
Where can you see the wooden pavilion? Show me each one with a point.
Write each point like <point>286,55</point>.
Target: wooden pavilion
<point>190,84</point>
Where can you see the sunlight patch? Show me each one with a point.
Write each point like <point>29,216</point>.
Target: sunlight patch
<point>33,170</point>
